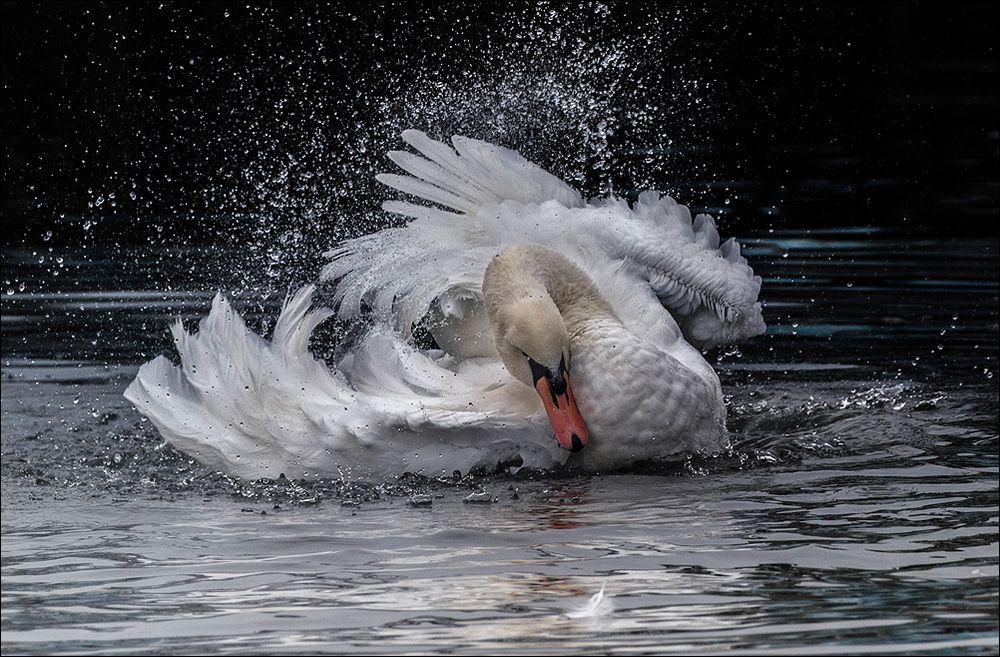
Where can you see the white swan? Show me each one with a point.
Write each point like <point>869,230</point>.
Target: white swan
<point>551,314</point>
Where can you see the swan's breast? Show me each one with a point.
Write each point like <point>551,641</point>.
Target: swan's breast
<point>639,402</point>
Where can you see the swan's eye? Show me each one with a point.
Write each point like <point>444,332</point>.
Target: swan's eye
<point>537,371</point>
<point>556,380</point>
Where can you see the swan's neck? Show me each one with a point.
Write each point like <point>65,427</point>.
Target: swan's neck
<point>529,271</point>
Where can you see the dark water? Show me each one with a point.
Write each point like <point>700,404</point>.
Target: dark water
<point>858,511</point>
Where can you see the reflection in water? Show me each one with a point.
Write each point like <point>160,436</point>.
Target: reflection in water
<point>557,507</point>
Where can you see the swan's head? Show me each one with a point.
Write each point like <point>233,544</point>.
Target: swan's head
<point>533,343</point>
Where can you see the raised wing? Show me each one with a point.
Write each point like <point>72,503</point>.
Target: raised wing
<point>399,272</point>
<point>479,198</point>
<point>479,174</point>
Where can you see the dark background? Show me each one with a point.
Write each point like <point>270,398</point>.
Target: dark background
<point>220,121</point>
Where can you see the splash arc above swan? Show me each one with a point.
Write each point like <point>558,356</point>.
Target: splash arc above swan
<point>552,314</point>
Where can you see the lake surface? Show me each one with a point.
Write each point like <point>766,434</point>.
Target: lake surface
<point>857,512</point>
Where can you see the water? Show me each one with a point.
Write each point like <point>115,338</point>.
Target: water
<point>858,511</point>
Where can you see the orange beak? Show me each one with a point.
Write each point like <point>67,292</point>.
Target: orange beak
<point>564,416</point>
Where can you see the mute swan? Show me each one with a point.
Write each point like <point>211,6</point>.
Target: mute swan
<point>551,314</point>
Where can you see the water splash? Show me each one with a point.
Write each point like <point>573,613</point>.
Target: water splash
<point>285,167</point>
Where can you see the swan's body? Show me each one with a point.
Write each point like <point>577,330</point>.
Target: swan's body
<point>644,392</point>
<point>632,291</point>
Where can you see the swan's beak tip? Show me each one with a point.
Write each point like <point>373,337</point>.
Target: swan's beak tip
<point>574,443</point>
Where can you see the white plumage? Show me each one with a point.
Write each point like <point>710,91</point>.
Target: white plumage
<point>255,408</point>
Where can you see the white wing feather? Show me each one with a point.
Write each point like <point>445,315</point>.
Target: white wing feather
<point>255,408</point>
<point>487,197</point>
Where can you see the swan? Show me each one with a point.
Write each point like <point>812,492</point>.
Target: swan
<point>567,332</point>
